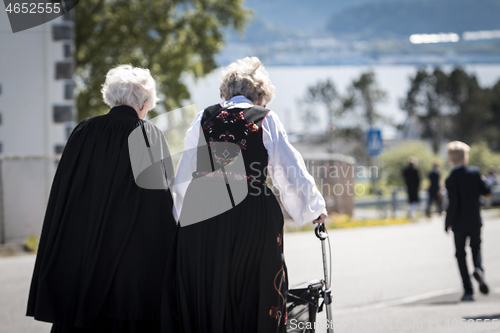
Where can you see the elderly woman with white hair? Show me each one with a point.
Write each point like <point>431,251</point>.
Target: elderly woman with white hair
<point>230,272</point>
<point>105,241</point>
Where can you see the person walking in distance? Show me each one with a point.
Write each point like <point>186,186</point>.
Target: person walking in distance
<point>465,186</point>
<point>412,180</point>
<point>433,192</point>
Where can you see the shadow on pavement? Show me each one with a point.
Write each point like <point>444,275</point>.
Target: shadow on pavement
<point>454,299</point>
<point>488,317</point>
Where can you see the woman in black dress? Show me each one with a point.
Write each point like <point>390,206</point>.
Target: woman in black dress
<point>230,270</point>
<point>104,244</point>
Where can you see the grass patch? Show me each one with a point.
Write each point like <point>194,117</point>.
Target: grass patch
<point>343,221</point>
<point>338,221</point>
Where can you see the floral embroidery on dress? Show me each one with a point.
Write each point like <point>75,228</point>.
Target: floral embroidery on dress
<point>227,142</point>
<point>223,116</point>
<point>250,128</point>
<point>227,136</point>
<point>227,153</point>
<point>221,175</point>
<point>210,127</point>
<point>230,117</point>
<point>275,313</point>
<point>226,157</point>
<point>242,144</point>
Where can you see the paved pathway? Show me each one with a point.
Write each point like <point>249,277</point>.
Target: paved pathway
<point>400,274</point>
<point>385,279</point>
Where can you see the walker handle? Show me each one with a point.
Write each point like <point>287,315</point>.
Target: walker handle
<point>320,231</point>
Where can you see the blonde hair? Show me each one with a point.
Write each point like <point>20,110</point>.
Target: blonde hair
<point>457,152</point>
<point>246,77</point>
<point>129,85</point>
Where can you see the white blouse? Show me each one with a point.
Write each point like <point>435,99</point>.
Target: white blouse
<point>287,169</point>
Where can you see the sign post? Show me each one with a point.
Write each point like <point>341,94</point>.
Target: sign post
<point>374,143</point>
<point>374,146</point>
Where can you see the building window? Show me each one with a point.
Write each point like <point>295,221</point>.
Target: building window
<point>63,113</point>
<point>58,149</point>
<point>64,70</point>
<point>68,90</point>
<point>0,119</point>
<point>67,50</point>
<point>69,130</point>
<point>1,148</point>
<point>62,32</point>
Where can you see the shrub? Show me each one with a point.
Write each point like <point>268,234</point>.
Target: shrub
<point>483,157</point>
<point>31,243</point>
<point>394,160</point>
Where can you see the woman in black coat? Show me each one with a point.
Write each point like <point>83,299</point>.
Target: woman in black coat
<point>105,240</point>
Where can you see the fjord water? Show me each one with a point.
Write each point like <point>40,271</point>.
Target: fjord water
<point>291,84</point>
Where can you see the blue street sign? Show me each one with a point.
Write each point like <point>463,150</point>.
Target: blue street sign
<point>374,142</point>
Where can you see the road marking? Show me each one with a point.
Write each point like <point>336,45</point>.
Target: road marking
<point>405,300</point>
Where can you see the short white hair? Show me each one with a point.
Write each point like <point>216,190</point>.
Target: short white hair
<point>129,85</point>
<point>246,77</point>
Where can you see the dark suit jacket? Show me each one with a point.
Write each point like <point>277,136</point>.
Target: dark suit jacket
<point>434,179</point>
<point>464,186</point>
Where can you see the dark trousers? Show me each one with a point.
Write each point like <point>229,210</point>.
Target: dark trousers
<point>475,244</point>
<point>433,198</point>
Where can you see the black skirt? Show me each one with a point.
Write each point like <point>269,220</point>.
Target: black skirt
<point>108,325</point>
<point>230,270</point>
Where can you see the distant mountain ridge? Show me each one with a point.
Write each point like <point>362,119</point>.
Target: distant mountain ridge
<point>367,19</point>
<point>310,15</point>
<point>401,19</point>
<point>364,32</point>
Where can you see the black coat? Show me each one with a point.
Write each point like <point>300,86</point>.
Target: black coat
<point>105,241</point>
<point>464,186</point>
<point>434,177</point>
<point>412,180</point>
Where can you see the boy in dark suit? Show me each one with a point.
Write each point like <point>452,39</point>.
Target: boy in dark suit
<point>465,185</point>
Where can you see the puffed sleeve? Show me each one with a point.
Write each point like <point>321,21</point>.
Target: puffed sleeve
<point>187,165</point>
<point>289,174</point>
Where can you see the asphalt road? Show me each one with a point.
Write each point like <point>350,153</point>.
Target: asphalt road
<point>385,279</point>
<point>399,275</point>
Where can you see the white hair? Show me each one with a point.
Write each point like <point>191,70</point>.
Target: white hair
<point>129,85</point>
<point>246,77</point>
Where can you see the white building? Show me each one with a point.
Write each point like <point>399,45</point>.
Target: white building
<point>37,113</point>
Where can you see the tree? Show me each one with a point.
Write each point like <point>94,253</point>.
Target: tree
<point>427,102</point>
<point>360,101</point>
<point>494,123</point>
<point>325,94</point>
<point>170,37</point>
<point>451,106</point>
<point>363,94</point>
<point>471,106</point>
